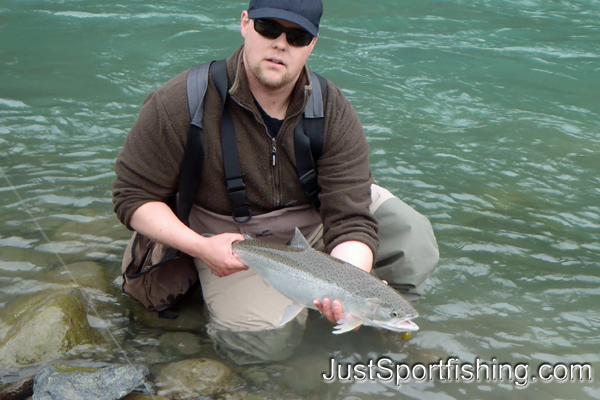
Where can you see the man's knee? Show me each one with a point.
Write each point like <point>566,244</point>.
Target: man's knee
<point>408,251</point>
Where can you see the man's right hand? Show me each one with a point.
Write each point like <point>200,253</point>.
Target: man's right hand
<point>216,253</point>
<point>157,221</point>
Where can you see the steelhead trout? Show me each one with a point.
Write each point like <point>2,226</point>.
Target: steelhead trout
<point>303,274</point>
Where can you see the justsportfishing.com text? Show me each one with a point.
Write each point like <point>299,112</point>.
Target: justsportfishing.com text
<point>452,370</point>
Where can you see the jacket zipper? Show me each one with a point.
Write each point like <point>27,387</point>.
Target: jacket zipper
<point>276,191</point>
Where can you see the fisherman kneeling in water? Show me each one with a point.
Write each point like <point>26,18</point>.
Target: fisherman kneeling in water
<point>268,98</point>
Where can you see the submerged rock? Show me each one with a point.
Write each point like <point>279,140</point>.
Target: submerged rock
<point>139,396</point>
<point>62,382</point>
<point>188,379</point>
<point>97,237</point>
<point>180,343</point>
<point>45,327</point>
<point>18,390</point>
<point>85,273</point>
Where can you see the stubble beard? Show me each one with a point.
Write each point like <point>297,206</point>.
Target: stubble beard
<point>273,85</point>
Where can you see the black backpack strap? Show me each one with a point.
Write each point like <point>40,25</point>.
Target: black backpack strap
<point>308,140</point>
<point>197,83</point>
<point>231,158</point>
<point>314,115</point>
<point>193,157</point>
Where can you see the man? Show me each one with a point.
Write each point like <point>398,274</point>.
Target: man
<point>269,85</point>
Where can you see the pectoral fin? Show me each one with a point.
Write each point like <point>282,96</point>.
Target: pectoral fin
<point>347,323</point>
<point>290,313</point>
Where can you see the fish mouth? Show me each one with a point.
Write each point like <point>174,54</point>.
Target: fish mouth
<point>409,325</point>
<point>401,325</point>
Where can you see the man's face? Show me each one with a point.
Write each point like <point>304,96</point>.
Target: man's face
<point>273,63</point>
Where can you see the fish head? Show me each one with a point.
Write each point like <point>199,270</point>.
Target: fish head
<point>393,318</point>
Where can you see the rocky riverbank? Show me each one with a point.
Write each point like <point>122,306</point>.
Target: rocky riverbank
<point>80,338</point>
<point>189,379</point>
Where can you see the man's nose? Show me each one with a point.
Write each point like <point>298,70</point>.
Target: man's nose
<point>281,41</point>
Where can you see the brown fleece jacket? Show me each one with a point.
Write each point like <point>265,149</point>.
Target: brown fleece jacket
<point>149,163</point>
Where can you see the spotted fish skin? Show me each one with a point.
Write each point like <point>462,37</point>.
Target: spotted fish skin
<point>303,274</point>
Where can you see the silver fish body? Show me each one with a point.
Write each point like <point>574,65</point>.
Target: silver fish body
<point>303,275</point>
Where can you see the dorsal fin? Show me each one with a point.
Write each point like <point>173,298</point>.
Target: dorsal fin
<point>299,242</point>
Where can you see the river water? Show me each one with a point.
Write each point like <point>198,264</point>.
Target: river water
<point>484,115</point>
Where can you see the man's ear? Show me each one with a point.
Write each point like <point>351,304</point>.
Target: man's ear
<point>244,23</point>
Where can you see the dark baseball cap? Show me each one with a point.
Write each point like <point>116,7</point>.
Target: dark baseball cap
<point>304,13</point>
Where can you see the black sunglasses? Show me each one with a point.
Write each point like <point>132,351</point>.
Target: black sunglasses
<point>272,30</point>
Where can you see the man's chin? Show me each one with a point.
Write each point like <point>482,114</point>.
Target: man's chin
<point>271,79</point>
<point>273,83</point>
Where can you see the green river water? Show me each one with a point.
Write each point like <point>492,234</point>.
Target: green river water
<point>484,115</point>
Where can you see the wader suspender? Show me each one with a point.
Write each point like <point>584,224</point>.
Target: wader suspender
<point>231,158</point>
<point>308,142</point>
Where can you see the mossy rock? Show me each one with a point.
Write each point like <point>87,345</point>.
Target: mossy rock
<point>86,274</point>
<point>188,379</point>
<point>22,261</point>
<point>44,327</point>
<point>58,381</point>
<point>96,237</point>
<point>140,396</point>
<point>184,343</point>
<point>102,228</point>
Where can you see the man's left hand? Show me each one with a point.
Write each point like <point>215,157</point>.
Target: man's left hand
<point>333,311</point>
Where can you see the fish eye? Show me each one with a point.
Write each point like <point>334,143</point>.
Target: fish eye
<point>395,314</point>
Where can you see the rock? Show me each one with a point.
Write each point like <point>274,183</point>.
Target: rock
<point>17,261</point>
<point>44,327</point>
<point>260,375</point>
<point>86,273</point>
<point>139,396</point>
<point>62,382</point>
<point>299,375</point>
<point>97,237</point>
<point>105,230</point>
<point>188,379</point>
<point>18,390</point>
<point>185,343</point>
